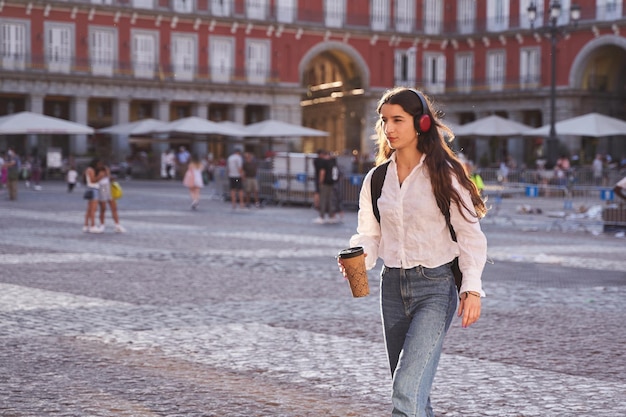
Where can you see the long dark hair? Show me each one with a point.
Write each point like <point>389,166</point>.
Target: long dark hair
<point>440,160</point>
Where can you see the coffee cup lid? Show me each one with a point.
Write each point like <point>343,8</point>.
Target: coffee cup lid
<point>351,252</point>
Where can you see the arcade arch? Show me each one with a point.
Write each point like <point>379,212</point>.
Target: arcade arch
<point>335,77</point>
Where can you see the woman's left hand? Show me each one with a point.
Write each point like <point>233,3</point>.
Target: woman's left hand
<point>469,308</point>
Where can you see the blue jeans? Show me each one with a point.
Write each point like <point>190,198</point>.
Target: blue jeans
<point>417,307</point>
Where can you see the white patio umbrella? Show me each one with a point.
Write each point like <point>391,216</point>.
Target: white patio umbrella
<point>29,123</point>
<point>197,126</point>
<point>139,127</point>
<point>235,127</point>
<point>591,124</point>
<point>276,128</point>
<point>493,125</point>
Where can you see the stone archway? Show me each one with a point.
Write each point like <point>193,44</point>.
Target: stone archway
<point>599,70</point>
<point>335,77</point>
<point>600,66</point>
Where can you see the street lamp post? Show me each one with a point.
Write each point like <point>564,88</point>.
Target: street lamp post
<point>555,12</point>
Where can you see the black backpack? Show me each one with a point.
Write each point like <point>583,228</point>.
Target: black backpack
<point>376,186</point>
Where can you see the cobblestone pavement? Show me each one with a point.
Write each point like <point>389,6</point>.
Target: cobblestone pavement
<point>222,313</point>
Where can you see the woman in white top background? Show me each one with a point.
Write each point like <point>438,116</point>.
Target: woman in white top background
<point>193,180</point>
<point>424,180</point>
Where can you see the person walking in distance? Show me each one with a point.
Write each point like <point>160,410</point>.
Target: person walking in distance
<point>193,180</point>
<point>426,216</point>
<point>328,176</point>
<point>234,165</point>
<point>250,182</point>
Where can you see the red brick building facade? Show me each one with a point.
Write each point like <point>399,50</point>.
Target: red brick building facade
<point>322,63</point>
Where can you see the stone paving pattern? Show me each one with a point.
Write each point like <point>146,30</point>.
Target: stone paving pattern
<point>222,313</point>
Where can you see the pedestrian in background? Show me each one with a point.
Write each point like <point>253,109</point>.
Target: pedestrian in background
<point>92,176</point>
<point>318,162</point>
<point>193,180</point>
<point>12,165</point>
<point>329,174</point>
<point>71,177</point>
<point>425,192</point>
<point>250,181</point>
<point>234,165</point>
<point>105,197</point>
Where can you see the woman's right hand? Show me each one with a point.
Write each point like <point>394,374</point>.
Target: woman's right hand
<point>342,269</point>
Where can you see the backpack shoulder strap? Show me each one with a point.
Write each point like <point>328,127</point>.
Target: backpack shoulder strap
<point>378,178</point>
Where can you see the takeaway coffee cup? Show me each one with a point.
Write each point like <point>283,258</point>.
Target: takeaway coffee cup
<point>353,260</point>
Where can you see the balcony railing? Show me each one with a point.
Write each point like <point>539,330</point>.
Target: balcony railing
<point>35,65</point>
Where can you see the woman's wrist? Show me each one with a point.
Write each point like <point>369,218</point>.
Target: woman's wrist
<point>468,293</point>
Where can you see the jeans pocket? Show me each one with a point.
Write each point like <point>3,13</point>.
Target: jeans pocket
<point>438,273</point>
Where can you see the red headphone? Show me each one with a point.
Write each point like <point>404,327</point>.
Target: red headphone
<point>425,122</point>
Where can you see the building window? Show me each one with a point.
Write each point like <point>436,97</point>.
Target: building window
<point>608,9</point>
<point>530,67</point>
<point>523,12</point>
<point>59,47</point>
<point>256,9</point>
<point>405,15</point>
<point>380,14</point>
<point>404,67</point>
<point>285,10</point>
<point>101,1</point>
<point>13,44</point>
<point>221,59</point>
<point>184,57</point>
<point>497,15</point>
<point>565,12</point>
<point>143,4</point>
<point>433,16</point>
<point>144,54</point>
<point>464,72</point>
<point>102,51</point>
<point>495,70</point>
<point>466,16</point>
<point>182,6</point>
<point>434,73</point>
<point>257,61</point>
<point>221,8</point>
<point>335,11</point>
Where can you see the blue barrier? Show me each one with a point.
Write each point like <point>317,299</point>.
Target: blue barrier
<point>356,179</point>
<point>532,191</point>
<point>607,194</point>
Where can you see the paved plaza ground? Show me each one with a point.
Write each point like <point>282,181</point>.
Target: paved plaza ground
<point>244,313</point>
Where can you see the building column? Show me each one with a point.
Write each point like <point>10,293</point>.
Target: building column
<point>120,144</point>
<point>35,105</point>
<point>79,110</point>
<point>160,146</point>
<point>200,147</point>
<point>516,145</point>
<point>201,110</point>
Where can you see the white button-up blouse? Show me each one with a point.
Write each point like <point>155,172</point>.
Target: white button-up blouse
<point>413,231</point>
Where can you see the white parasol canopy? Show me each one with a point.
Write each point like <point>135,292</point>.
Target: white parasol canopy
<point>29,123</point>
<point>591,124</point>
<point>197,125</point>
<point>493,125</point>
<point>237,128</point>
<point>276,128</point>
<point>139,127</point>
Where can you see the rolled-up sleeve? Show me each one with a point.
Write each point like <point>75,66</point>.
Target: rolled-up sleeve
<point>471,242</point>
<point>368,229</point>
